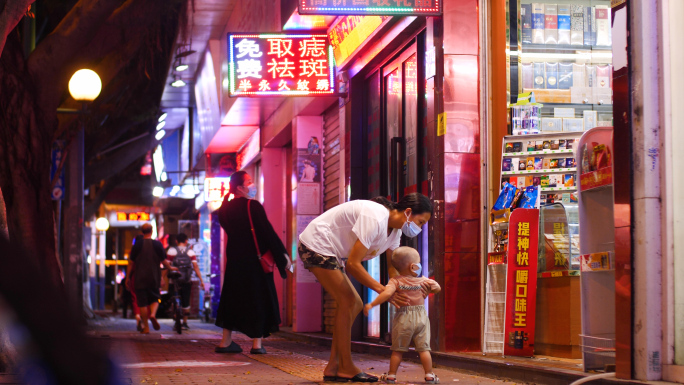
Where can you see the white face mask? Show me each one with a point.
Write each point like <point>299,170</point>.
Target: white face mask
<point>410,229</point>
<point>416,269</point>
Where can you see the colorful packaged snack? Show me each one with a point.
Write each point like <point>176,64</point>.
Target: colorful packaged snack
<point>529,199</point>
<point>514,164</point>
<point>554,145</point>
<point>561,163</point>
<point>530,146</point>
<point>529,180</point>
<point>550,199</point>
<point>539,145</point>
<point>546,145</point>
<point>516,199</point>
<point>505,197</point>
<point>561,144</point>
<point>530,163</point>
<point>513,180</point>
<point>569,180</point>
<point>538,162</point>
<point>536,181</point>
<point>570,162</point>
<point>544,181</point>
<point>570,144</point>
<point>556,180</point>
<point>573,198</point>
<point>508,148</point>
<point>566,198</point>
<point>505,180</point>
<point>517,146</point>
<point>522,164</point>
<point>521,182</point>
<point>553,163</point>
<point>546,164</point>
<point>552,181</point>
<point>586,158</point>
<point>506,166</point>
<point>600,157</point>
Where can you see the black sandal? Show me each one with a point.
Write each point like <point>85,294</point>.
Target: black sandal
<point>361,377</point>
<point>329,378</point>
<point>232,348</point>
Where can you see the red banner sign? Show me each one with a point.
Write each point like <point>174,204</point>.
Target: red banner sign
<point>139,216</point>
<point>350,32</point>
<point>599,178</point>
<point>275,64</point>
<point>521,283</point>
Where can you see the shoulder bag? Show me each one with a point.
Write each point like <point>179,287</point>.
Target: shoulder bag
<point>266,260</point>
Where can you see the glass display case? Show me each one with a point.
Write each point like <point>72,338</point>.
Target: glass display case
<point>561,50</point>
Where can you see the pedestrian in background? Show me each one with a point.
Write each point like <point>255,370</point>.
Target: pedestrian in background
<point>146,255</point>
<point>185,260</point>
<point>249,303</point>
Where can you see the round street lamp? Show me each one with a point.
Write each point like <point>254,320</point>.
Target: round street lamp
<point>102,224</point>
<point>85,85</point>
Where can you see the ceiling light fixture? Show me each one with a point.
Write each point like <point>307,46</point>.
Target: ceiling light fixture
<point>175,190</point>
<point>161,125</point>
<point>181,67</point>
<point>160,134</point>
<point>178,83</point>
<point>163,116</point>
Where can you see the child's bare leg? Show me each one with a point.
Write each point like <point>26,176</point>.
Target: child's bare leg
<point>426,360</point>
<point>395,360</point>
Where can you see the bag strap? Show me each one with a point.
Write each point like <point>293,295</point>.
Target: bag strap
<point>251,225</point>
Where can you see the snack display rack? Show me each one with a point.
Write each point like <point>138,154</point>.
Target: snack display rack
<point>597,247</point>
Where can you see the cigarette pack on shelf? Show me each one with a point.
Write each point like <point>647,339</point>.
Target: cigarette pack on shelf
<point>573,124</point>
<point>551,24</point>
<point>552,124</point>
<point>576,24</point>
<point>602,18</point>
<point>526,20</point>
<point>538,23</point>
<point>564,23</point>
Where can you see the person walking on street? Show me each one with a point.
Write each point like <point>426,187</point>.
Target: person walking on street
<point>341,239</point>
<point>249,303</point>
<point>146,255</point>
<point>185,260</point>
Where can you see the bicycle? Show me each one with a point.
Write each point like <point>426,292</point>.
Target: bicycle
<point>176,306</point>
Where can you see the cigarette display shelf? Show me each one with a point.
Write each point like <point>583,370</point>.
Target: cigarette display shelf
<point>545,171</point>
<point>554,189</point>
<point>542,152</point>
<point>563,48</point>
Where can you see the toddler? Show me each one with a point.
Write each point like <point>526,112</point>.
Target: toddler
<point>411,321</point>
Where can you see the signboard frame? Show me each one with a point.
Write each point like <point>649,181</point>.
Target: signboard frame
<point>234,80</point>
<point>370,7</point>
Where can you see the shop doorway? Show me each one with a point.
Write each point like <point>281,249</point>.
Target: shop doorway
<point>395,142</point>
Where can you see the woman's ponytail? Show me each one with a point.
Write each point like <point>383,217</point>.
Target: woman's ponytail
<point>384,201</point>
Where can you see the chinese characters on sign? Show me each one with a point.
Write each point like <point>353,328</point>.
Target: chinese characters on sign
<point>262,65</point>
<point>215,189</point>
<point>521,286</point>
<point>139,216</point>
<point>371,7</point>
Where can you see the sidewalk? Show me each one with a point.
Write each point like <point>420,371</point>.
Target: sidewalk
<point>167,358</point>
<point>539,370</point>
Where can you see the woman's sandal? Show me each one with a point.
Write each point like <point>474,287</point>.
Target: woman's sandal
<point>389,378</point>
<point>361,377</point>
<point>433,379</point>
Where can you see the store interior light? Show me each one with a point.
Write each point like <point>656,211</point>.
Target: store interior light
<point>163,116</point>
<point>164,177</point>
<point>188,189</point>
<point>175,190</point>
<point>178,83</point>
<point>160,134</point>
<point>161,125</point>
<point>181,67</point>
<point>157,191</point>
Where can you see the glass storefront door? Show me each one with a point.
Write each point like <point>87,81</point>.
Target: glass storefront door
<point>393,142</point>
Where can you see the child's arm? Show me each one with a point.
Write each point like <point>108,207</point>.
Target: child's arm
<point>434,287</point>
<point>381,298</point>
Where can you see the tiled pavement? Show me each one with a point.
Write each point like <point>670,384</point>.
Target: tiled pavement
<point>167,358</point>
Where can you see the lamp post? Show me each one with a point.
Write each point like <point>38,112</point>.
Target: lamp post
<point>84,87</point>
<point>102,225</point>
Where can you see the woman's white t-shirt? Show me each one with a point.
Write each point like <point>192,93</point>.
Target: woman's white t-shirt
<point>335,232</point>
